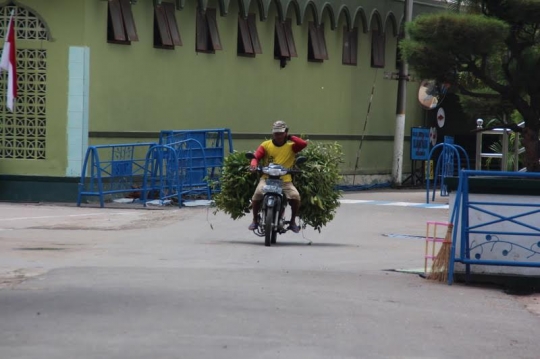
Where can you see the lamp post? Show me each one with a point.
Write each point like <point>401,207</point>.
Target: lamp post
<point>397,164</point>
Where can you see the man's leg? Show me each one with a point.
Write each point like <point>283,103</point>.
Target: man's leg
<point>294,200</point>
<point>256,202</point>
<point>256,206</point>
<point>295,206</point>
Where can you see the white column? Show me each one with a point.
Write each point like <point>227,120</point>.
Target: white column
<point>77,113</point>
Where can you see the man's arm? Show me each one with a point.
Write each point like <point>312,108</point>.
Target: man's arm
<point>299,144</point>
<point>258,155</point>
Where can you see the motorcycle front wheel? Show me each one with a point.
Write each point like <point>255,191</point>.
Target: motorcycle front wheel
<point>268,227</point>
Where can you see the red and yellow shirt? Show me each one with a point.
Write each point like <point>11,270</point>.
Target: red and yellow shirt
<point>283,155</point>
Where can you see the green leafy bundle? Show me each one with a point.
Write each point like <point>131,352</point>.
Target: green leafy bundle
<point>236,184</point>
<point>316,185</point>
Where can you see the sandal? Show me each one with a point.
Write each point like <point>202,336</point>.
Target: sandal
<point>294,228</point>
<point>253,226</point>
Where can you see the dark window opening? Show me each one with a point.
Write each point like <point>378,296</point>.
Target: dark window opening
<point>377,49</point>
<point>248,43</point>
<point>166,34</point>
<point>316,43</point>
<point>284,46</point>
<point>207,37</point>
<point>350,46</point>
<point>120,23</point>
<point>399,60</point>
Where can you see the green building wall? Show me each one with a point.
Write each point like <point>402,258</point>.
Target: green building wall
<point>135,91</point>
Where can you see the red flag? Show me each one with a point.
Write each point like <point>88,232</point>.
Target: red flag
<point>8,62</point>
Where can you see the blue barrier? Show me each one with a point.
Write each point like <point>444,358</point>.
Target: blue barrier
<point>160,179</point>
<point>182,163</point>
<point>213,143</point>
<point>516,235</point>
<point>169,169</point>
<point>113,169</point>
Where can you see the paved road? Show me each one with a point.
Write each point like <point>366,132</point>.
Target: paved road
<point>183,283</point>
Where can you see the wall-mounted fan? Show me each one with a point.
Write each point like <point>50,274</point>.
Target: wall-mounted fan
<point>431,94</point>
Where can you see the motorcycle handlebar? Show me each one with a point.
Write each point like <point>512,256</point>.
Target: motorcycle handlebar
<point>289,170</point>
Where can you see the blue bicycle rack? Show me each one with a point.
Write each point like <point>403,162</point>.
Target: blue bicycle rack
<point>445,166</point>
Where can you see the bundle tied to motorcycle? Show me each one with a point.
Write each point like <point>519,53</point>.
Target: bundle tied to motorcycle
<point>317,184</point>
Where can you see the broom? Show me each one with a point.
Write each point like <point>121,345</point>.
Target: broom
<point>439,268</point>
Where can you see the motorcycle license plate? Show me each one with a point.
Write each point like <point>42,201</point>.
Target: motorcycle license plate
<point>272,185</point>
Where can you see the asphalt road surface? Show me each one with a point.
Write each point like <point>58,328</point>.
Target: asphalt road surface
<point>129,282</point>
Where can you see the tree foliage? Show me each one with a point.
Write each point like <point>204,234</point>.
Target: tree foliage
<point>491,57</point>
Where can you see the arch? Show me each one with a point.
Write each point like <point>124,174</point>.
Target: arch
<point>376,16</point>
<point>202,4</point>
<point>344,10</point>
<point>243,8</point>
<point>296,7</point>
<point>328,7</point>
<point>279,9</point>
<point>360,15</point>
<point>27,14</point>
<point>401,28</point>
<point>180,4</point>
<point>260,7</point>
<point>391,20</point>
<point>311,4</point>
<point>224,6</point>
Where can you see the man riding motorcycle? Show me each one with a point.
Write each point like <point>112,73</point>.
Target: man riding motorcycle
<point>281,150</point>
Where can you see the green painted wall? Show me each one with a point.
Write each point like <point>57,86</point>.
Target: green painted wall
<point>139,88</point>
<point>66,31</point>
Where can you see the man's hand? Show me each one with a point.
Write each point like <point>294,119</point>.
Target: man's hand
<point>252,168</point>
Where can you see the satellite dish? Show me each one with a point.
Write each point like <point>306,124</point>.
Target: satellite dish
<point>431,94</point>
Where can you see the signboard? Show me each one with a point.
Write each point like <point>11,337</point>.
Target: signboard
<point>420,143</point>
<point>428,165</point>
<point>441,117</point>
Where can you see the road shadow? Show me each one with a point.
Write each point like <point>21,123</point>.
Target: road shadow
<point>298,243</point>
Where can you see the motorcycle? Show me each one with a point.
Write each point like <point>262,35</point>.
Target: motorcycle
<point>271,216</point>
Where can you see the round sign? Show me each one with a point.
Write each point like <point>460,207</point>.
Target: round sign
<point>441,117</point>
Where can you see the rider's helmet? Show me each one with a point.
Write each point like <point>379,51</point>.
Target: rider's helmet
<point>279,126</point>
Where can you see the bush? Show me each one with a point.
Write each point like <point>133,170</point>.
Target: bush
<point>317,185</point>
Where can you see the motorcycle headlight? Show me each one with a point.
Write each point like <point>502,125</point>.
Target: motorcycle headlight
<point>273,172</point>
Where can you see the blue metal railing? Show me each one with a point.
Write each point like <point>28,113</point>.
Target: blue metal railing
<point>112,169</point>
<point>214,145</point>
<point>489,237</point>
<point>169,171</point>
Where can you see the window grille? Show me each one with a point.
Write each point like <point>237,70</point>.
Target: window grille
<point>23,132</point>
<point>29,26</point>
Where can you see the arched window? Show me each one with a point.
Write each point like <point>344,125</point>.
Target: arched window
<point>23,132</point>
